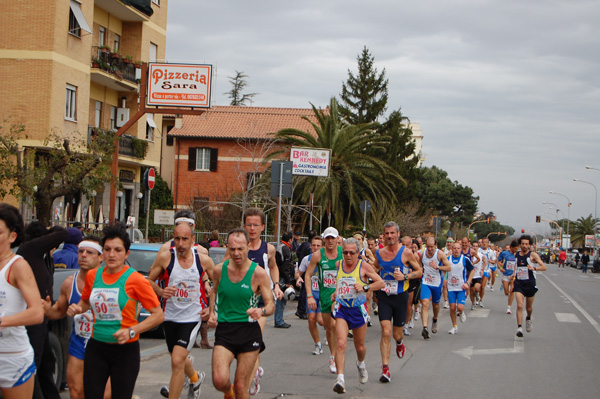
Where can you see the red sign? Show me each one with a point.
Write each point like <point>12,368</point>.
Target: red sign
<point>151,178</point>
<point>179,85</point>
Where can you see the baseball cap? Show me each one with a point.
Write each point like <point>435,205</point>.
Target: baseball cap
<point>330,232</point>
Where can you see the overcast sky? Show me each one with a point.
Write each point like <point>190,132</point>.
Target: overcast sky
<point>507,92</point>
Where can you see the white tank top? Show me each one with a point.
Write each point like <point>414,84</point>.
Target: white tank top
<point>12,339</point>
<point>477,266</point>
<point>185,306</point>
<point>431,276</point>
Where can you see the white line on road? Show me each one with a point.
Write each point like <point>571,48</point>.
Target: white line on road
<point>468,352</point>
<point>567,317</point>
<point>585,314</point>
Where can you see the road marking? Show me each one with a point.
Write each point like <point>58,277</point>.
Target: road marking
<point>468,352</point>
<point>480,313</point>
<point>585,314</point>
<point>567,317</point>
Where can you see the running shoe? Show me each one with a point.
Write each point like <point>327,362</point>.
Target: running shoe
<point>375,309</point>
<point>446,305</point>
<point>411,324</point>
<point>434,327</point>
<point>528,325</point>
<point>481,305</point>
<point>164,392</point>
<point>318,349</point>
<point>463,317</point>
<point>425,333</point>
<point>492,289</point>
<point>194,388</point>
<point>508,311</point>
<point>417,314</point>
<point>326,342</point>
<point>350,334</point>
<point>400,348</point>
<point>406,332</point>
<point>472,306</point>
<point>453,330</point>
<point>255,385</point>
<point>363,375</point>
<point>520,332</point>
<point>332,368</point>
<point>385,374</point>
<point>339,386</point>
<point>369,324</point>
<point>477,298</point>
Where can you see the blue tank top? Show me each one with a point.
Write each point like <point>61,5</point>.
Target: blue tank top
<point>82,323</point>
<point>260,256</point>
<point>387,270</point>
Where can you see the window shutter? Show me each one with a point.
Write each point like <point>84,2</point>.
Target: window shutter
<point>192,159</point>
<point>214,155</point>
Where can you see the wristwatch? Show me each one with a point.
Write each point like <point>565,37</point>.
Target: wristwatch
<point>264,311</point>
<point>366,287</point>
<point>131,333</point>
<point>405,276</point>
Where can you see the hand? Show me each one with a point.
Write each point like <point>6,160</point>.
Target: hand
<point>46,304</point>
<point>398,275</point>
<point>122,335</point>
<point>168,292</point>
<point>433,264</point>
<point>299,281</point>
<point>74,309</point>
<point>465,286</point>
<point>312,304</point>
<point>278,292</point>
<point>208,289</point>
<point>204,314</point>
<point>255,313</point>
<point>212,321</point>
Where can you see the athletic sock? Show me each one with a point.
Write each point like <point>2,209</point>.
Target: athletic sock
<point>528,318</point>
<point>435,320</point>
<point>195,378</point>
<point>340,377</point>
<point>361,364</point>
<point>519,325</point>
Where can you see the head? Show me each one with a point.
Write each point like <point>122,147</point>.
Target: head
<point>456,249</point>
<point>372,244</point>
<point>391,232</point>
<point>214,235</point>
<point>465,243</point>
<point>34,230</point>
<point>485,243</point>
<point>475,245</point>
<point>89,253</point>
<point>74,236</point>
<point>350,251</point>
<point>340,241</point>
<point>419,241</point>
<point>525,242</point>
<point>381,238</point>
<point>449,243</point>
<point>254,222</point>
<point>316,243</point>
<point>78,226</point>
<point>237,245</point>
<point>414,245</point>
<point>430,246</point>
<point>330,236</point>
<point>296,236</point>
<point>514,246</point>
<point>115,245</point>
<point>185,216</point>
<point>287,237</point>
<point>184,238</point>
<point>12,230</point>
<point>311,235</point>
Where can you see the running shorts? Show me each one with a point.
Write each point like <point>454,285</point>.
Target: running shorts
<point>475,281</point>
<point>429,292</point>
<point>316,298</point>
<point>393,307</point>
<point>458,297</point>
<point>325,299</point>
<point>355,317</point>
<point>527,290</point>
<point>16,368</point>
<point>181,334</point>
<point>77,346</point>
<point>239,337</point>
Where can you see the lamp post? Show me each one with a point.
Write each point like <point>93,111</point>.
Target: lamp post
<point>568,210</point>
<point>551,205</point>
<point>595,202</point>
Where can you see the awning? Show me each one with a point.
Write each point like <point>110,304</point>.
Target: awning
<point>76,8</point>
<point>150,120</point>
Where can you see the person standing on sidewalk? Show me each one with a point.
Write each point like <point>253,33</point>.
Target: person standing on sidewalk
<point>283,258</point>
<point>585,260</point>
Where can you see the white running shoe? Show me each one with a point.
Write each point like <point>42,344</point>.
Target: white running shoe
<point>411,324</point>
<point>417,314</point>
<point>481,305</point>
<point>463,317</point>
<point>492,289</point>
<point>318,349</point>
<point>520,332</point>
<point>508,311</point>
<point>434,327</point>
<point>332,368</point>
<point>194,388</point>
<point>453,330</point>
<point>528,325</point>
<point>363,375</point>
<point>446,305</point>
<point>255,386</point>
<point>406,332</point>
<point>339,386</point>
<point>472,306</point>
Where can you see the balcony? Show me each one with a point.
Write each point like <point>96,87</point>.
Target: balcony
<point>113,70</point>
<point>132,146</point>
<point>127,10</point>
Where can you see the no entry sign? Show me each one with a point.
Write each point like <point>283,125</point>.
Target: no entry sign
<point>150,178</point>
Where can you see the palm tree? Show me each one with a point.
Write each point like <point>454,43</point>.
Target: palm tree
<point>581,228</point>
<point>354,175</point>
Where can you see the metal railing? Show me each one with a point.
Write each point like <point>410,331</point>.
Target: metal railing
<point>113,63</point>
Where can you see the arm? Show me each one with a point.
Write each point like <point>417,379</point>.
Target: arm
<point>263,284</point>
<point>540,264</point>
<point>156,317</point>
<point>470,273</point>
<point>310,269</point>
<point>475,255</point>
<point>59,309</point>
<point>410,259</point>
<point>274,270</point>
<point>22,278</point>
<point>212,317</point>
<point>368,271</point>
<point>445,262</point>
<point>158,267</point>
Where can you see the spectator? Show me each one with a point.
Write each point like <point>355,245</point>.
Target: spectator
<point>213,241</point>
<point>296,242</point>
<point>303,250</point>
<point>585,260</point>
<point>562,257</point>
<point>283,257</point>
<point>78,226</point>
<point>66,258</point>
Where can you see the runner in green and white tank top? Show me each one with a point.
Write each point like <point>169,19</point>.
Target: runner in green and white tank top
<point>327,271</point>
<point>234,299</point>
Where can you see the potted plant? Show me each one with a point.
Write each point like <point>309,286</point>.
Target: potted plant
<point>95,62</point>
<point>128,59</point>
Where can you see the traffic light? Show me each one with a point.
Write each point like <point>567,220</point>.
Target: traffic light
<point>538,219</point>
<point>522,231</point>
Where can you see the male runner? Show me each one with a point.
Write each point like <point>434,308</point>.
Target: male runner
<point>393,262</point>
<point>459,280</point>
<point>431,284</point>
<point>528,262</point>
<point>352,284</point>
<point>183,305</point>
<point>237,282</point>
<point>507,262</point>
<point>476,291</point>
<point>372,245</point>
<point>325,262</point>
<point>490,254</point>
<point>89,257</point>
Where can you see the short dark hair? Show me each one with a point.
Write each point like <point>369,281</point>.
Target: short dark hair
<point>514,243</point>
<point>317,237</point>
<point>35,229</point>
<point>185,213</point>
<point>287,236</point>
<point>116,230</point>
<point>525,237</point>
<point>239,231</point>
<point>14,222</point>
<point>312,234</point>
<point>93,238</point>
<point>254,212</point>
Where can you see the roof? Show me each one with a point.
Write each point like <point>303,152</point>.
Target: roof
<point>233,122</point>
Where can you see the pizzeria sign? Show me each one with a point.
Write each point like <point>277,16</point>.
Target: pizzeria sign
<point>179,85</point>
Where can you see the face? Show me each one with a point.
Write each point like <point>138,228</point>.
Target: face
<point>381,238</point>
<point>254,226</point>
<point>465,242</point>
<point>330,242</point>
<point>7,237</point>
<point>420,241</point>
<point>525,245</point>
<point>372,245</point>
<point>316,245</point>
<point>238,248</point>
<point>485,243</point>
<point>88,258</point>
<point>475,246</point>
<point>430,246</point>
<point>456,248</point>
<point>415,248</point>
<point>391,235</point>
<point>340,241</point>
<point>183,237</point>
<point>350,253</point>
<point>114,253</point>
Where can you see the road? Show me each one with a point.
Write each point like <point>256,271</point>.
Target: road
<point>558,359</point>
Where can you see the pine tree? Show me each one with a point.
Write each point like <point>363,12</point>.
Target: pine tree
<point>364,96</point>
<point>239,83</point>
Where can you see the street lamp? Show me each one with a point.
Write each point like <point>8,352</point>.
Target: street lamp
<point>589,167</point>
<point>568,209</point>
<point>595,202</point>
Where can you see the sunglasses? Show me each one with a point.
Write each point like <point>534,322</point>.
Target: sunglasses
<point>349,252</point>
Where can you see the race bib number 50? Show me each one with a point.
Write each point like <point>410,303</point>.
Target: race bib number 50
<point>105,303</point>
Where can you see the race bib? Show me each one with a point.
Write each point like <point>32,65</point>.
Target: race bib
<point>314,283</point>
<point>105,303</point>
<point>83,324</point>
<point>454,281</point>
<point>187,291</point>
<point>391,287</point>
<point>428,280</point>
<point>329,278</point>
<point>522,273</point>
<point>511,264</point>
<point>345,288</point>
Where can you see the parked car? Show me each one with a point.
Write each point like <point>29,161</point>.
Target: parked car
<point>217,254</point>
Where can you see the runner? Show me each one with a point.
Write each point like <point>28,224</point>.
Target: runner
<point>314,316</point>
<point>372,245</point>
<point>459,280</point>
<point>490,254</point>
<point>414,287</point>
<point>183,304</point>
<point>350,311</point>
<point>475,292</point>
<point>431,284</point>
<point>448,253</point>
<point>507,263</point>
<point>237,282</point>
<point>367,255</point>
<point>89,257</point>
<point>325,262</point>
<point>393,262</point>
<point>19,306</point>
<point>528,262</point>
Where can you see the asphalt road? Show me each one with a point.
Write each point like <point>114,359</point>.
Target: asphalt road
<point>560,358</point>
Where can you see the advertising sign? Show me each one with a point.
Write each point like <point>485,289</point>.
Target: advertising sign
<point>310,161</point>
<point>164,216</point>
<point>179,85</point>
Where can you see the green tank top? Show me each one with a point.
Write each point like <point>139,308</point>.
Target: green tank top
<point>328,273</point>
<point>234,299</point>
<point>108,302</point>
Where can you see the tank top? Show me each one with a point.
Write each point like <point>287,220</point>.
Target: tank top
<point>393,286</point>
<point>458,275</point>
<point>107,302</point>
<point>185,306</point>
<point>328,272</point>
<point>431,277</point>
<point>479,265</point>
<point>524,276</point>
<point>82,323</point>
<point>12,339</point>
<point>234,299</point>
<point>346,295</point>
<point>260,256</point>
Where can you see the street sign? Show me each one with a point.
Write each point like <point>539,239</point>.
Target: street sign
<point>164,216</point>
<point>150,178</point>
<point>365,205</point>
<point>283,170</point>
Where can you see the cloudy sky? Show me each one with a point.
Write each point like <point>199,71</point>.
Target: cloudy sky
<point>507,92</point>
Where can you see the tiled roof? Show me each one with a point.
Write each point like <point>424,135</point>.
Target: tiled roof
<point>232,122</point>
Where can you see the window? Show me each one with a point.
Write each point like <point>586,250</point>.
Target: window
<point>71,103</point>
<point>169,138</point>
<point>113,117</point>
<point>150,126</point>
<point>101,36</point>
<point>117,43</point>
<point>153,52</point>
<point>98,114</point>
<point>203,159</point>
<point>74,27</point>
<point>77,21</point>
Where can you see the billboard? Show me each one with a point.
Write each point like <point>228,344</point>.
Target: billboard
<point>590,242</point>
<point>179,85</point>
<point>310,161</point>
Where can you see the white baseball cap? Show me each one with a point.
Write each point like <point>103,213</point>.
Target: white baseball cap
<point>330,232</point>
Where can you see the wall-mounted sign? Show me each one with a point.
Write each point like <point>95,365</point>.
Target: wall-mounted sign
<point>310,161</point>
<point>179,85</point>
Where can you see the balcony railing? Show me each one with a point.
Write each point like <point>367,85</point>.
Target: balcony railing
<point>114,63</point>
